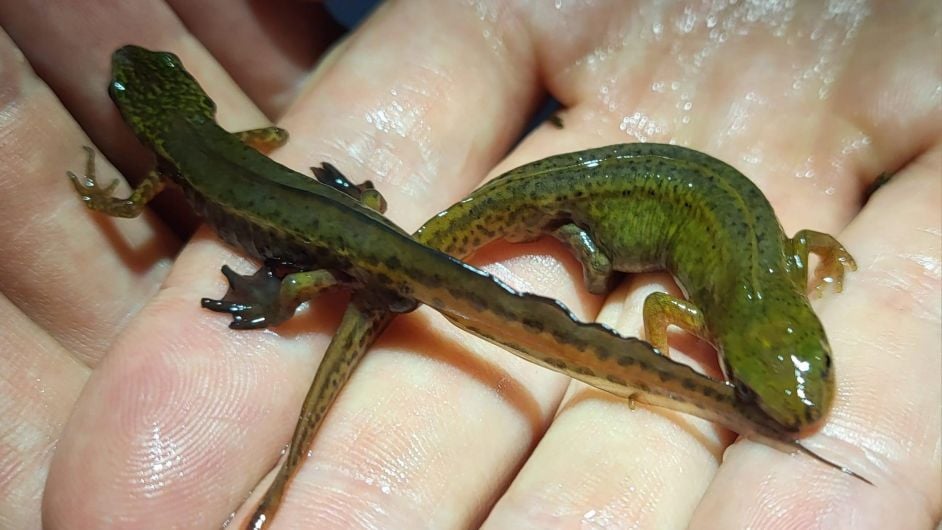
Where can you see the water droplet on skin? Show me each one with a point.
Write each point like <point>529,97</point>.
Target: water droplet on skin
<point>640,126</point>
<point>688,21</point>
<point>752,158</point>
<point>163,456</point>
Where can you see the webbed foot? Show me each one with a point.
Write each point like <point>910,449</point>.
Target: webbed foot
<point>252,300</point>
<point>365,193</point>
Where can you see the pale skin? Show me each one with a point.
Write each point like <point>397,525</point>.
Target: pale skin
<point>180,418</point>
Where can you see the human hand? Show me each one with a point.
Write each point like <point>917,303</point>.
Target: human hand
<point>181,417</point>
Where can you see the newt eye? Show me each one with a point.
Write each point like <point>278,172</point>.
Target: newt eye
<point>170,60</point>
<point>744,393</point>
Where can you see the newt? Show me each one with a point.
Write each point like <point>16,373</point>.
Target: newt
<point>621,208</point>
<point>635,208</point>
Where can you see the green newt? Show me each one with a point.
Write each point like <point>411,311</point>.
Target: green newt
<point>617,207</point>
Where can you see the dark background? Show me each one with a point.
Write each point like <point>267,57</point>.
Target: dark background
<point>350,12</point>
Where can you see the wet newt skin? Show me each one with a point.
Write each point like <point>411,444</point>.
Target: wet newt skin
<point>621,208</point>
<point>641,207</point>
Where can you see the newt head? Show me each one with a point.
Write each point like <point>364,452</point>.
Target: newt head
<point>781,361</point>
<point>152,91</point>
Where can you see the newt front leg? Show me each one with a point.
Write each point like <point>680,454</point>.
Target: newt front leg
<point>100,198</point>
<point>835,260</point>
<point>597,272</point>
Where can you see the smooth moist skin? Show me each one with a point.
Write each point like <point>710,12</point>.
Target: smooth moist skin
<point>641,207</point>
<point>620,208</point>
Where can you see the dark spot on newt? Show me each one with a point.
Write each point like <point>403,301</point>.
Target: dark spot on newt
<point>393,262</point>
<point>625,360</point>
<point>615,379</point>
<point>558,363</point>
<point>476,301</point>
<point>709,393</point>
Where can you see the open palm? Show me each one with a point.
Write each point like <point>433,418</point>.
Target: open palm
<point>125,405</point>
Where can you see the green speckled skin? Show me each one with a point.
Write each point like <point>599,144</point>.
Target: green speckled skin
<point>643,207</point>
<point>634,208</point>
<point>654,206</point>
<point>273,212</point>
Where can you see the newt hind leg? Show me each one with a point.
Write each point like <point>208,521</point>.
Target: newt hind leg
<point>662,310</point>
<point>365,193</point>
<point>265,139</point>
<point>269,296</point>
<point>597,270</point>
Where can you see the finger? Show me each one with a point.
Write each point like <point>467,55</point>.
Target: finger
<point>76,67</point>
<point>396,130</point>
<point>285,39</point>
<point>129,258</point>
<point>606,462</point>
<point>740,119</point>
<point>77,279</point>
<point>394,109</point>
<point>791,163</point>
<point>39,382</point>
<point>100,484</point>
<point>172,368</point>
<point>179,404</point>
<point>885,330</point>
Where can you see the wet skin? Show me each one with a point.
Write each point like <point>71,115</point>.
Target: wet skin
<point>621,208</point>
